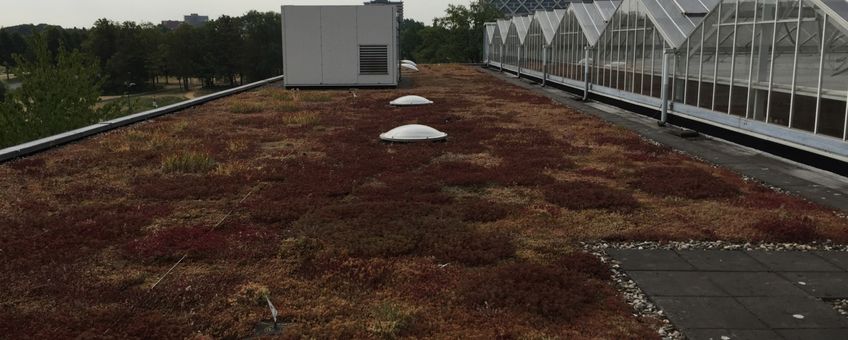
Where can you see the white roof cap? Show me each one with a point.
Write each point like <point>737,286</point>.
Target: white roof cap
<point>410,67</point>
<point>411,101</point>
<point>413,133</point>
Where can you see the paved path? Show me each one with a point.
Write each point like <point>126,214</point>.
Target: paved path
<point>816,185</point>
<point>721,295</point>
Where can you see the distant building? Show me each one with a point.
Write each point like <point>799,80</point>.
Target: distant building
<point>511,8</point>
<point>399,5</point>
<point>171,24</point>
<point>193,19</point>
<point>196,20</point>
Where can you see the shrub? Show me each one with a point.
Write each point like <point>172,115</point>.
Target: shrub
<point>299,252</point>
<point>252,294</point>
<point>553,292</point>
<point>685,182</point>
<point>190,162</point>
<point>286,107</point>
<point>467,246</point>
<point>242,107</point>
<point>172,243</point>
<point>188,187</point>
<point>587,195</point>
<point>585,263</point>
<point>314,97</point>
<point>390,320</point>
<point>306,118</point>
<point>479,210</point>
<point>787,229</point>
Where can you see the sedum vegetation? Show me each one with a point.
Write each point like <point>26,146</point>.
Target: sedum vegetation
<point>349,237</point>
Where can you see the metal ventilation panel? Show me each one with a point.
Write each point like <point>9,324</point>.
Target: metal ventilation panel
<point>373,60</point>
<point>411,101</point>
<point>413,133</point>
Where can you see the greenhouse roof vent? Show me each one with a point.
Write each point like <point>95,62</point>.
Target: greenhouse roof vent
<point>413,133</point>
<point>411,101</point>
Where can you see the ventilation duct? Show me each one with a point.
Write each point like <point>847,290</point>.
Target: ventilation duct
<point>411,101</point>
<point>413,133</point>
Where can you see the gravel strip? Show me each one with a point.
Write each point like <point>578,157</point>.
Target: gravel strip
<point>841,306</point>
<point>643,307</point>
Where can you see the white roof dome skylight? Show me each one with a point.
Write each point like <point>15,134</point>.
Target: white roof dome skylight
<point>410,67</point>
<point>413,133</point>
<point>406,61</point>
<point>411,101</point>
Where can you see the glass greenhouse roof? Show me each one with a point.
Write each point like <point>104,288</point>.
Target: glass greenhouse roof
<point>522,27</point>
<point>550,21</point>
<point>675,21</point>
<point>593,17</point>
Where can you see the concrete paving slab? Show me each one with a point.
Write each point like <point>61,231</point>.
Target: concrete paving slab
<point>732,334</point>
<point>653,259</point>
<point>792,261</point>
<point>816,334</point>
<point>790,312</point>
<point>721,260</point>
<point>708,313</point>
<point>821,284</point>
<point>837,258</point>
<point>675,283</point>
<point>753,284</point>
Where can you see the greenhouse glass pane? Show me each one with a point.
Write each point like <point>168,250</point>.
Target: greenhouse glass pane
<point>834,81</point>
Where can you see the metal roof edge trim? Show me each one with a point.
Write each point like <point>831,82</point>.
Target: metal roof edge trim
<point>43,144</point>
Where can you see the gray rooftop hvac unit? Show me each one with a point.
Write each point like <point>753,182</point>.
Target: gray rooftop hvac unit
<point>340,46</point>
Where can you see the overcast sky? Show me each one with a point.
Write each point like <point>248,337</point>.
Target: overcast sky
<point>83,13</point>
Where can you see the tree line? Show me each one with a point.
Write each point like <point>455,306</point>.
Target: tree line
<point>226,51</point>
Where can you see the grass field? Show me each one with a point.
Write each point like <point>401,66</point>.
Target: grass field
<point>290,195</point>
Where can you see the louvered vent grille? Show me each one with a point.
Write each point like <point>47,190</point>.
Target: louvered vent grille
<point>373,59</point>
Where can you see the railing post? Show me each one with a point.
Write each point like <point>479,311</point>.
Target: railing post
<point>587,52</point>
<point>664,88</point>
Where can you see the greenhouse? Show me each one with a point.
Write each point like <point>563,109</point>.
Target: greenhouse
<point>773,69</point>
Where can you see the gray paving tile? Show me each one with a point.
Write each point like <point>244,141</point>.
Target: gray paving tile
<point>654,259</point>
<point>792,261</point>
<point>821,284</point>
<point>733,334</point>
<point>754,284</point>
<point>675,283</point>
<point>721,260</point>
<point>817,334</point>
<point>708,313</point>
<point>780,312</point>
<point>838,258</point>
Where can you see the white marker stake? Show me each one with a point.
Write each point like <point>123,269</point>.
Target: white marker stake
<point>273,310</point>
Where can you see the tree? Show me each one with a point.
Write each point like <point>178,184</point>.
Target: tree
<point>2,92</point>
<point>58,94</point>
<point>263,51</point>
<point>183,54</point>
<point>410,37</point>
<point>224,47</point>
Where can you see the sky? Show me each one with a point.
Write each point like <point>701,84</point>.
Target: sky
<point>83,13</point>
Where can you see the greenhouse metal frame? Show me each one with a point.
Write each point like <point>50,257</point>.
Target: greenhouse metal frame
<point>710,61</point>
